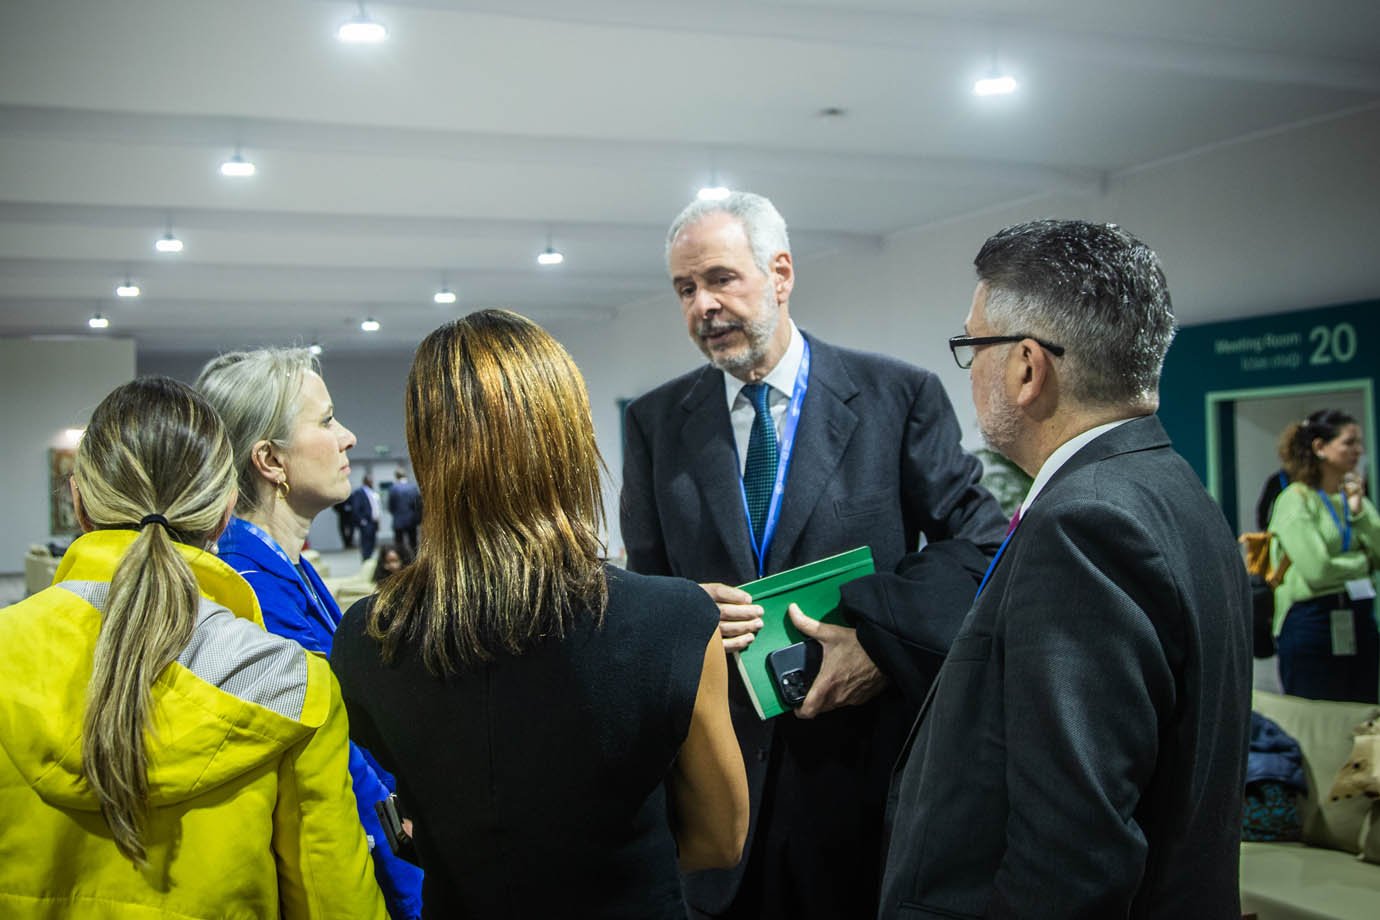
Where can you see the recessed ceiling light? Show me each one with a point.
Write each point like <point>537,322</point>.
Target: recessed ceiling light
<point>713,193</point>
<point>370,325</point>
<point>362,30</point>
<point>97,322</point>
<point>237,167</point>
<point>314,348</point>
<point>444,295</point>
<point>832,111</point>
<point>549,256</point>
<point>128,289</point>
<point>168,243</point>
<point>995,86</point>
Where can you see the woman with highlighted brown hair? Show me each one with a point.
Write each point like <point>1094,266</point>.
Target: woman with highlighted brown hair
<point>160,754</point>
<point>559,728</point>
<point>1325,607</point>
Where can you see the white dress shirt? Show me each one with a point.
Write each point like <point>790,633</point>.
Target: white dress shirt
<point>781,383</point>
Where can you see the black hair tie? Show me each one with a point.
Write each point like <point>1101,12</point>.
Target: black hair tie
<point>153,519</point>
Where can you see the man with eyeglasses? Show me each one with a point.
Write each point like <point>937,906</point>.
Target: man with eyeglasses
<point>1097,696</point>
<point>857,449</point>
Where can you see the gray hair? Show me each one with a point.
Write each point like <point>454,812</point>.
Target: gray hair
<point>256,394</point>
<point>1092,288</point>
<point>764,225</point>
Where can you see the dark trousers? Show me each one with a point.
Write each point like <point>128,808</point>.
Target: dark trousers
<point>1307,666</point>
<point>368,534</point>
<point>406,537</point>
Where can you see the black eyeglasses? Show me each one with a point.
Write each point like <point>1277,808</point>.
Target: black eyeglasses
<point>965,347</point>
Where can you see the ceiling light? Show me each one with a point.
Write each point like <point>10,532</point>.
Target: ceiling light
<point>370,325</point>
<point>128,289</point>
<point>713,193</point>
<point>237,167</point>
<point>444,295</point>
<point>550,256</point>
<point>995,86</point>
<point>168,243</point>
<point>314,348</point>
<point>98,322</point>
<point>361,30</point>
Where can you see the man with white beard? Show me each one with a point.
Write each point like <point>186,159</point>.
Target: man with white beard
<point>783,450</point>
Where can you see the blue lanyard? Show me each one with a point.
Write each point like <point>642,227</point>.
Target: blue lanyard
<point>313,598</point>
<point>992,566</point>
<point>1346,513</point>
<point>778,491</point>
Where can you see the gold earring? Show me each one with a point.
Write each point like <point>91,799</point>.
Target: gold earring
<point>283,488</point>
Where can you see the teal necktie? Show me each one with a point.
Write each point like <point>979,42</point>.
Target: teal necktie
<point>759,477</point>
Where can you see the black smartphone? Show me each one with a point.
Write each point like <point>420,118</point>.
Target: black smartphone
<point>398,839</point>
<point>793,670</point>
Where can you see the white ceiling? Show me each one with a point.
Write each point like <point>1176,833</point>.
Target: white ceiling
<point>450,152</point>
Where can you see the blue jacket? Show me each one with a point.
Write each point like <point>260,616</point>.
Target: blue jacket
<point>289,611</point>
<point>1273,755</point>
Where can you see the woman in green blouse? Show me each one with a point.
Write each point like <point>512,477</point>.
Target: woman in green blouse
<point>1324,609</point>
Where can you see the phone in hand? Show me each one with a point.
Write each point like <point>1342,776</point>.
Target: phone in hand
<point>793,670</point>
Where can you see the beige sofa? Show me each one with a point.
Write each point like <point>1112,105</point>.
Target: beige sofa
<point>39,568</point>
<point>1323,876</point>
<point>349,588</point>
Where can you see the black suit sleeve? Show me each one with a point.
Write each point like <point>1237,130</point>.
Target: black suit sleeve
<point>637,513</point>
<point>907,620</point>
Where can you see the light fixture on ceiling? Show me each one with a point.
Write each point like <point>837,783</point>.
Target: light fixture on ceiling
<point>713,193</point>
<point>444,295</point>
<point>168,243</point>
<point>995,84</point>
<point>315,349</point>
<point>361,30</point>
<point>128,289</point>
<point>370,325</point>
<point>98,322</point>
<point>550,255</point>
<point>237,167</point>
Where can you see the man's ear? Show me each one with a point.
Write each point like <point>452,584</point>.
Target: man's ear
<point>782,276</point>
<point>82,519</point>
<point>1035,370</point>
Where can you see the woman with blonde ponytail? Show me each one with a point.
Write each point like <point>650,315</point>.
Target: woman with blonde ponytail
<point>160,752</point>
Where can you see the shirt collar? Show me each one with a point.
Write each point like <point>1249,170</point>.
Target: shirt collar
<point>781,378</point>
<point>1062,454</point>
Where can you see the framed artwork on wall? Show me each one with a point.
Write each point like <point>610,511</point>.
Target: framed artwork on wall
<point>62,515</point>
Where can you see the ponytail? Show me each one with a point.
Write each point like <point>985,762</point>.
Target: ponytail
<point>154,453</point>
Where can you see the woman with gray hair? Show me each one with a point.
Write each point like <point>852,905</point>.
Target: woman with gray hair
<point>291,464</point>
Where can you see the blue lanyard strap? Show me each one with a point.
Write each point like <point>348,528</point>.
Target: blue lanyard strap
<point>1345,531</point>
<point>791,423</point>
<point>312,597</point>
<point>992,566</point>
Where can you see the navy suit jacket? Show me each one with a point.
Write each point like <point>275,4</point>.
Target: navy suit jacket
<point>1082,754</point>
<point>877,461</point>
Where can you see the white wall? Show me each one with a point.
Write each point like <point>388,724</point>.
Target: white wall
<point>49,386</point>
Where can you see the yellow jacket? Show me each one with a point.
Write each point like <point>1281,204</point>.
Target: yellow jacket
<point>251,808</point>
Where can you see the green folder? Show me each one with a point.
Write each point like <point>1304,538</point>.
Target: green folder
<point>815,587</point>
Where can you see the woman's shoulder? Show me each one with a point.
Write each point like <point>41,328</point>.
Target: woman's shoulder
<point>659,595</point>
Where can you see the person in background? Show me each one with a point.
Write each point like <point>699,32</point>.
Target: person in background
<point>781,450</point>
<point>160,754</point>
<point>392,559</point>
<point>291,463</point>
<point>559,727</point>
<point>345,523</point>
<point>405,506</point>
<point>366,509</point>
<point>1083,752</point>
<point>1325,608</point>
<point>1277,482</point>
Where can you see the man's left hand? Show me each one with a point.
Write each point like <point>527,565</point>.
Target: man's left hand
<point>847,676</point>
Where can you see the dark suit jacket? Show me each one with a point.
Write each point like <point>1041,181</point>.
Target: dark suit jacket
<point>1083,752</point>
<point>405,504</point>
<point>877,461</point>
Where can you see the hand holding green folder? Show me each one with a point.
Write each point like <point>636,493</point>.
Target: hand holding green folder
<point>815,587</point>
